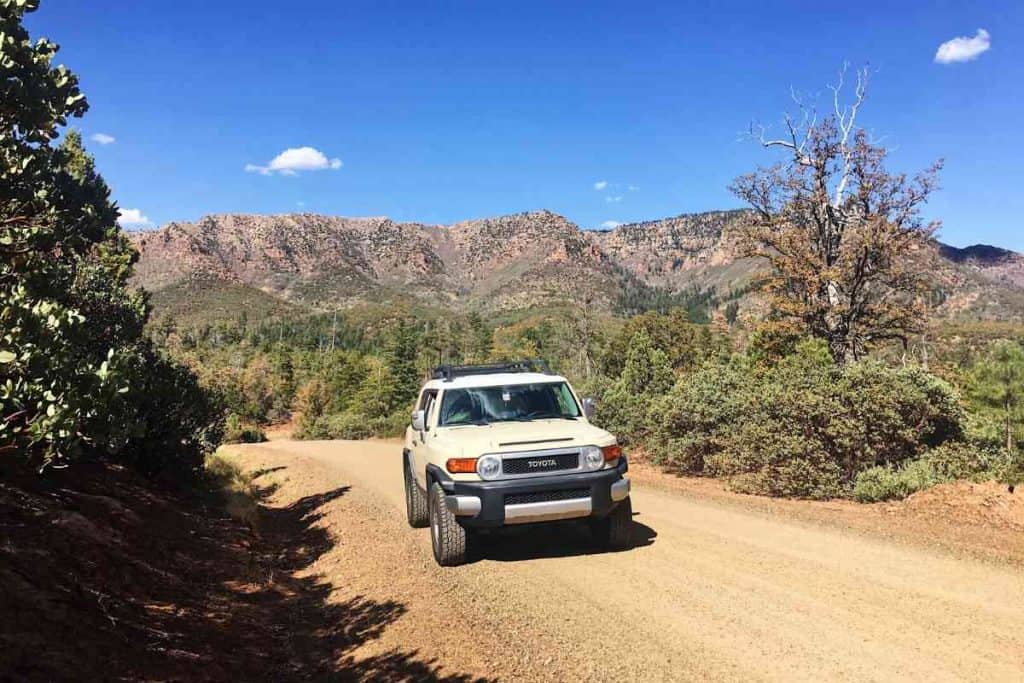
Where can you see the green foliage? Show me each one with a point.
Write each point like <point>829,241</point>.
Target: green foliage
<point>885,482</point>
<point>688,421</point>
<point>237,431</point>
<point>804,427</point>
<point>76,375</point>
<point>624,407</point>
<point>997,387</point>
<point>948,462</point>
<point>638,297</point>
<point>684,343</point>
<point>401,357</point>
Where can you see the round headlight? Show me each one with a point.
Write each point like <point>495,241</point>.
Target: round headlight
<point>593,458</point>
<point>488,467</point>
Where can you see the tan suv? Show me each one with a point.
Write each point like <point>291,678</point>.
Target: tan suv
<point>511,443</point>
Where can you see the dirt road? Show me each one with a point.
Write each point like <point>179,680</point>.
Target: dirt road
<point>709,592</point>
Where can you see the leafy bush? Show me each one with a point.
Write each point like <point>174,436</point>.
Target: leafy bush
<point>688,421</point>
<point>804,427</point>
<point>624,405</point>
<point>339,426</point>
<point>172,421</point>
<point>885,482</point>
<point>237,431</point>
<point>949,462</point>
<point>353,425</point>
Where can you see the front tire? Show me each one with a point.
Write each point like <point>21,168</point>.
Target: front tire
<point>447,537</point>
<point>415,502</point>
<point>615,532</point>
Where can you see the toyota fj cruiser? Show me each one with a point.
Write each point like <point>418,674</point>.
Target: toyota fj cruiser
<point>511,443</point>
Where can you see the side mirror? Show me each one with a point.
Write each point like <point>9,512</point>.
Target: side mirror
<point>589,406</point>
<point>419,420</point>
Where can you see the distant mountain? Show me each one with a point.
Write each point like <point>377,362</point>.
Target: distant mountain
<point>993,262</point>
<point>505,263</point>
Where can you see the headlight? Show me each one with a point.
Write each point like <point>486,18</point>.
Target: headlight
<point>593,458</point>
<point>488,467</point>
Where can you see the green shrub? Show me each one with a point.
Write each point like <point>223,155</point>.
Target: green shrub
<point>964,460</point>
<point>237,431</point>
<point>172,422</point>
<point>804,427</point>
<point>885,482</point>
<point>694,421</point>
<point>954,460</point>
<point>625,404</point>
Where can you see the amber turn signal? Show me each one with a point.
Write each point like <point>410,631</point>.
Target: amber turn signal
<point>611,453</point>
<point>461,465</point>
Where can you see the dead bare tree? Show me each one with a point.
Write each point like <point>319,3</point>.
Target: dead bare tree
<point>844,237</point>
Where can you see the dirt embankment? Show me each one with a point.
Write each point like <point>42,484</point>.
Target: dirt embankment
<point>101,578</point>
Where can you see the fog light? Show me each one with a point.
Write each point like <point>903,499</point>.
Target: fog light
<point>593,458</point>
<point>488,467</point>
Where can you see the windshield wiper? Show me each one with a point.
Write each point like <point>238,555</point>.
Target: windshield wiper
<point>540,416</point>
<point>462,423</point>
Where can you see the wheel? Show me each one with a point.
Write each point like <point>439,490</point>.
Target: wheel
<point>615,532</point>
<point>447,536</point>
<point>415,502</point>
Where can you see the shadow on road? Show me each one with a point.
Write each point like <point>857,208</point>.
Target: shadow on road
<point>563,539</point>
<point>105,577</point>
<point>313,638</point>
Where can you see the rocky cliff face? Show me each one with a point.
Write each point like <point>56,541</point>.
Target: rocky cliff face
<point>508,262</point>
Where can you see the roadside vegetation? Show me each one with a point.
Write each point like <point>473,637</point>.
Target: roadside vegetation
<point>79,379</point>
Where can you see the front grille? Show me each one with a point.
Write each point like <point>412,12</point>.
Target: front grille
<point>537,464</point>
<point>545,496</point>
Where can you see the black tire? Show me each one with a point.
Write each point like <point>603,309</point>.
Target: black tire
<point>415,502</point>
<point>447,537</point>
<point>615,532</point>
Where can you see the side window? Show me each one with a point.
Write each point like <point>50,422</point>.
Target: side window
<point>427,403</point>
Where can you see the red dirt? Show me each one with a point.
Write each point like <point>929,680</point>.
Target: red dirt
<point>102,577</point>
<point>979,520</point>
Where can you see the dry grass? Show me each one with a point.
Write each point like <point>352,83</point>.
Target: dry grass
<point>240,493</point>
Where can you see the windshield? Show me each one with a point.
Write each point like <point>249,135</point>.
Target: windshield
<point>514,402</point>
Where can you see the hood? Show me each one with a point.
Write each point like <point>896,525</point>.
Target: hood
<point>470,441</point>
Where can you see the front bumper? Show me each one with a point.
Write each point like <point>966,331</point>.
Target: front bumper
<point>483,503</point>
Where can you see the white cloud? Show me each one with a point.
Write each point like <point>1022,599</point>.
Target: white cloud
<point>963,48</point>
<point>129,218</point>
<point>610,225</point>
<point>600,185</point>
<point>295,159</point>
<point>613,199</point>
<point>633,188</point>
<point>102,139</point>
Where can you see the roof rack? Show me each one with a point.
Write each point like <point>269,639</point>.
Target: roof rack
<point>450,372</point>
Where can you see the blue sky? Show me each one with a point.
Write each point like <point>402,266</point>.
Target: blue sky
<point>439,112</point>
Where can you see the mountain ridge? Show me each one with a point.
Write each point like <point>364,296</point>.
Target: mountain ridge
<point>509,262</point>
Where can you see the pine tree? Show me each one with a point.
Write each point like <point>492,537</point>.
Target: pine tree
<point>998,384</point>
<point>401,357</point>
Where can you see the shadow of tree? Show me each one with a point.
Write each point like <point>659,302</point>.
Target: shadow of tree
<point>308,637</point>
<point>256,474</point>
<point>138,584</point>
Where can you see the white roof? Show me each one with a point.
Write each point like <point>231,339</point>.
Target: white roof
<point>493,380</point>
